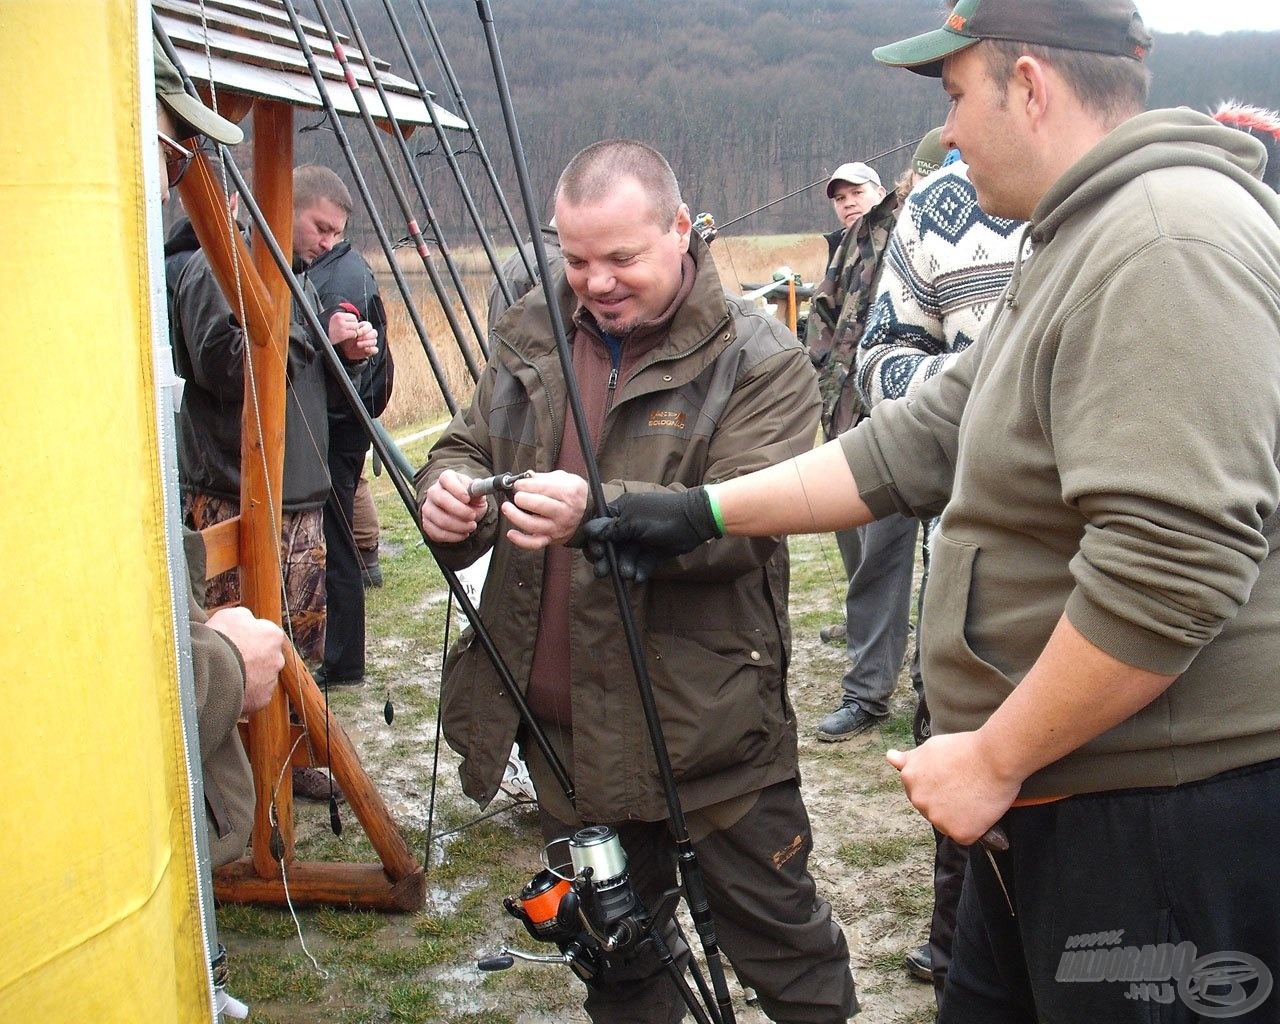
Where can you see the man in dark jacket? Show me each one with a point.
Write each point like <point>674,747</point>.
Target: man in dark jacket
<point>680,384</point>
<point>344,280</point>
<point>209,353</point>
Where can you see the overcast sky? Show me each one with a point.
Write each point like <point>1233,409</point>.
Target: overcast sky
<point>1210,15</point>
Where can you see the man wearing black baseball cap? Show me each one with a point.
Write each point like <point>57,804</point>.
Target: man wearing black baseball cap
<point>1103,614</point>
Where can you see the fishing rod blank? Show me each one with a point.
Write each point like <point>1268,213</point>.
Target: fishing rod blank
<point>451,158</point>
<point>691,874</point>
<point>398,481</point>
<point>460,102</point>
<point>405,207</point>
<point>805,188</point>
<point>384,240</point>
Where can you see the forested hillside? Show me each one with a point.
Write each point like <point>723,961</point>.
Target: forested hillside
<point>749,99</point>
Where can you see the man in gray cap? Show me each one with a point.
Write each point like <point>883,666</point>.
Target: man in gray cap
<point>181,116</point>
<point>1104,603</point>
<point>236,657</point>
<point>878,558</point>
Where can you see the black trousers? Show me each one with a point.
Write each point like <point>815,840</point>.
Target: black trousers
<point>344,636</point>
<point>1157,906</point>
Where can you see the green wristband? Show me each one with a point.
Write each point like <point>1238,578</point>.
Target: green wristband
<point>714,503</point>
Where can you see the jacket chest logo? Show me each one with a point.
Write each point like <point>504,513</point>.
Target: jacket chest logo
<point>669,418</point>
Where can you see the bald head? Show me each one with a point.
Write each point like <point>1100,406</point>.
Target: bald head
<point>596,172</point>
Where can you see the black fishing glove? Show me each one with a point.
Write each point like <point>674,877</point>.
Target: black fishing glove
<point>646,526</point>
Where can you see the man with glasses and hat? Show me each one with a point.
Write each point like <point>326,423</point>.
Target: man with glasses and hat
<point>1104,602</point>
<point>236,657</point>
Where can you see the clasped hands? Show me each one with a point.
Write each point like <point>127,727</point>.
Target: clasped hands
<point>548,508</point>
<point>540,510</point>
<point>356,339</point>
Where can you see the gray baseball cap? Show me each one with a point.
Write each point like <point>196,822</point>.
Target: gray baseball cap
<point>186,108</point>
<point>854,174</point>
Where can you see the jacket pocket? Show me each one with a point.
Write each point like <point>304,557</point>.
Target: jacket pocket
<point>457,693</point>
<point>712,697</point>
<point>962,689</point>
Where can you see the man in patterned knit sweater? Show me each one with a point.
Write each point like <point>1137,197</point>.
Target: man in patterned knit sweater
<point>947,264</point>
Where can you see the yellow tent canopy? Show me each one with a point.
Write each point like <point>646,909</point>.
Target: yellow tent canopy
<point>100,912</point>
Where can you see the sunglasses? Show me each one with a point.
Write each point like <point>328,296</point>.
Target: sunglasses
<point>177,158</point>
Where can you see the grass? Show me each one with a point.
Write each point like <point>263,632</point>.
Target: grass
<point>873,853</point>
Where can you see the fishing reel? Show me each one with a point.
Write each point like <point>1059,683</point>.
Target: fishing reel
<point>705,225</point>
<point>593,916</point>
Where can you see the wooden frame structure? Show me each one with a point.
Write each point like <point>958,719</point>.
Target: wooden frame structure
<point>254,70</point>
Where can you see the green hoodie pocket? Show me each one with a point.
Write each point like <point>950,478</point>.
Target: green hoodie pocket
<point>962,689</point>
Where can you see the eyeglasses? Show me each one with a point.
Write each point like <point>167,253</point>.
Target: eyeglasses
<point>177,158</point>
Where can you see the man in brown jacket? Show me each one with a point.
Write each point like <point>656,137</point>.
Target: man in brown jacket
<point>680,385</point>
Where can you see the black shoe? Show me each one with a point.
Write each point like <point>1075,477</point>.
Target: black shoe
<point>323,679</point>
<point>920,963</point>
<point>847,721</point>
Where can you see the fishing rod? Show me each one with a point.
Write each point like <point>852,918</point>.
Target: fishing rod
<point>805,188</point>
<point>362,186</point>
<point>451,158</point>
<point>407,157</point>
<point>691,873</point>
<point>464,110</point>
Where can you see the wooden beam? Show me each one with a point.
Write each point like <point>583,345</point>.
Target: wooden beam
<point>330,745</point>
<point>221,546</point>
<point>314,883</point>
<point>262,472</point>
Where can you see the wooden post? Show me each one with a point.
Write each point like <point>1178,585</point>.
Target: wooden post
<point>262,473</point>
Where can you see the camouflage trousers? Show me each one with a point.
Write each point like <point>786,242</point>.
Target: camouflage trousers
<point>302,562</point>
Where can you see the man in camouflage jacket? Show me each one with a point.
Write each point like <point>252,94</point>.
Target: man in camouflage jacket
<point>838,312</point>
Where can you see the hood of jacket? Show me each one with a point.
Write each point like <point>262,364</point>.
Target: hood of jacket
<point>1150,141</point>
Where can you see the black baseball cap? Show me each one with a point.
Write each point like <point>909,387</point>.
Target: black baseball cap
<point>1097,26</point>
